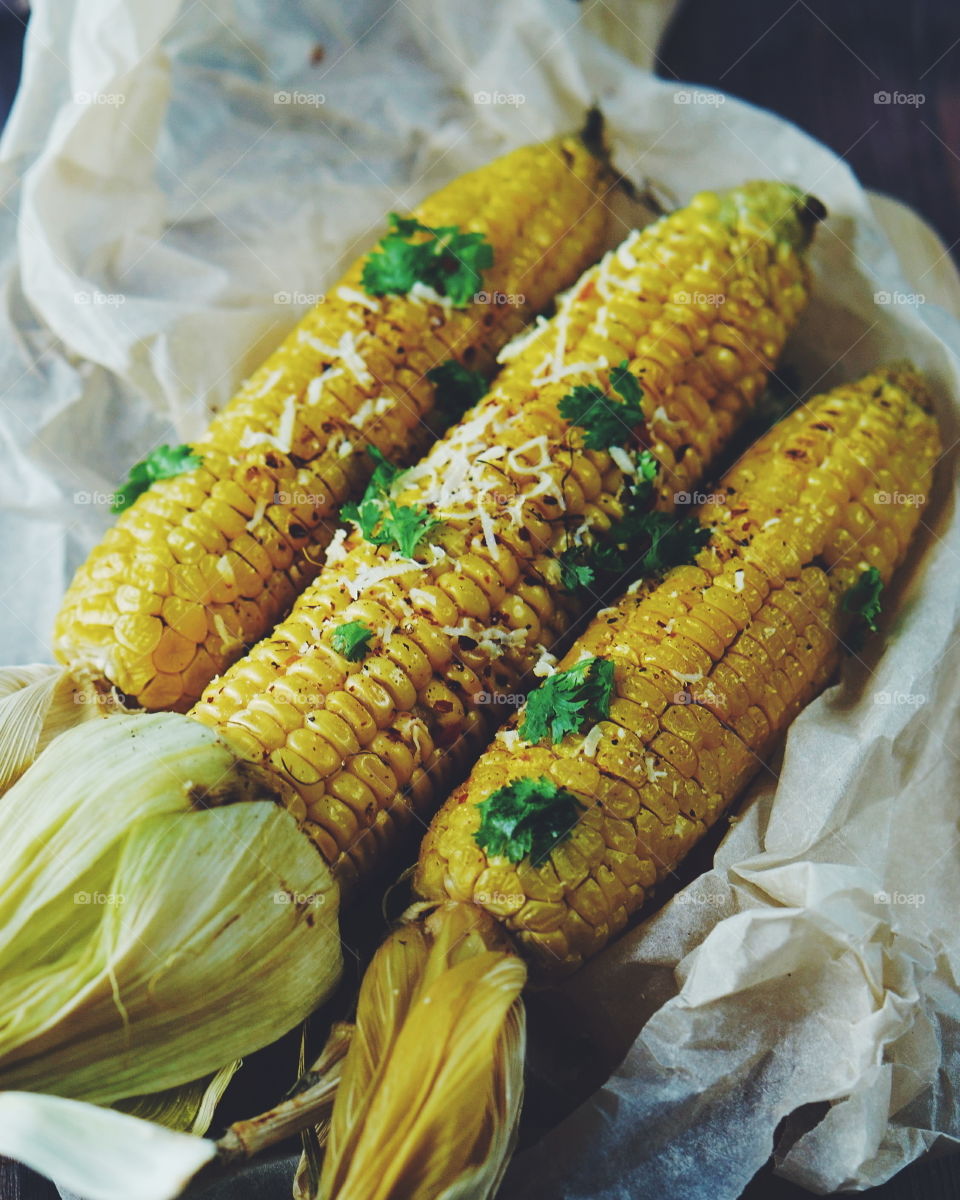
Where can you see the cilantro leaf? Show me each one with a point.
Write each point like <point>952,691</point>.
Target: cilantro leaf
<point>380,519</point>
<point>350,639</point>
<point>406,527</point>
<point>450,262</point>
<point>863,599</point>
<point>162,463</point>
<point>607,421</point>
<point>527,817</point>
<point>574,574</point>
<point>568,701</point>
<point>458,388</point>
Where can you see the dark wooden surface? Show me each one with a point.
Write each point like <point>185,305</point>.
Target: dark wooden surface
<point>820,63</point>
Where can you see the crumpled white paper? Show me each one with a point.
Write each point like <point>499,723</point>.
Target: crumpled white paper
<point>179,179</point>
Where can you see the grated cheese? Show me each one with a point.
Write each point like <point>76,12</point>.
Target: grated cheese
<point>283,441</point>
<point>652,773</point>
<point>517,345</point>
<point>345,351</point>
<point>371,408</point>
<point>509,737</point>
<point>258,512</point>
<point>352,296</point>
<point>315,386</point>
<point>738,578</point>
<point>269,383</point>
<point>335,551</point>
<point>546,664</point>
<point>591,742</point>
<point>345,448</point>
<point>422,293</point>
<point>367,577</point>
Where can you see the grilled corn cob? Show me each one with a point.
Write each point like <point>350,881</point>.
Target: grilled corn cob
<point>560,841</point>
<point>456,623</point>
<point>382,681</point>
<point>204,563</point>
<point>710,667</point>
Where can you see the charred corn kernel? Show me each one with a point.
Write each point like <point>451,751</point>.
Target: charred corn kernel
<point>746,638</point>
<point>290,446</point>
<point>458,628</point>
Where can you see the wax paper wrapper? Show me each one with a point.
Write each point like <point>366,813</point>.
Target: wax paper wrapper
<point>181,180</point>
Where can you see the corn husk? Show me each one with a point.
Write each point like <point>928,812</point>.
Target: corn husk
<point>436,1061</point>
<point>188,1108</point>
<point>37,702</point>
<point>161,914</point>
<point>96,1152</point>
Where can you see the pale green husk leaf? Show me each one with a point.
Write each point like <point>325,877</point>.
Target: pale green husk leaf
<point>145,940</point>
<point>96,1152</point>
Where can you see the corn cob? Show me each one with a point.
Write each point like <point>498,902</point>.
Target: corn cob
<point>706,670</point>
<point>355,734</point>
<point>458,622</point>
<point>204,563</point>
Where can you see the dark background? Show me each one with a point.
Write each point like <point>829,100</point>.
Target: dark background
<point>820,63</point>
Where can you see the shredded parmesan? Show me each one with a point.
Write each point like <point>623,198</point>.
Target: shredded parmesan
<point>345,448</point>
<point>577,368</point>
<point>681,678</point>
<point>367,577</point>
<point>316,385</point>
<point>738,578</point>
<point>371,408</point>
<point>652,773</point>
<point>772,521</point>
<point>517,345</point>
<point>660,417</point>
<point>344,351</point>
<point>509,737</point>
<point>352,296</point>
<point>335,551</point>
<point>422,293</point>
<point>591,742</point>
<point>258,513</point>
<point>624,461</point>
<point>269,383</point>
<point>283,441</point>
<point>546,664</point>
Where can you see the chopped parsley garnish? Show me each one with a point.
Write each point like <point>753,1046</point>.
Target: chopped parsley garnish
<point>527,817</point>
<point>574,574</point>
<point>162,463</point>
<point>607,422</point>
<point>863,599</point>
<point>458,388</point>
<point>450,262</point>
<point>568,701</point>
<point>351,640</point>
<point>381,520</point>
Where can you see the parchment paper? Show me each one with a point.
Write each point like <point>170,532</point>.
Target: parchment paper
<point>179,179</point>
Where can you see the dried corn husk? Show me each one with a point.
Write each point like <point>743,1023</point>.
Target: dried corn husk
<point>66,1141</point>
<point>154,924</point>
<point>36,703</point>
<point>188,1108</point>
<point>439,1015</point>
